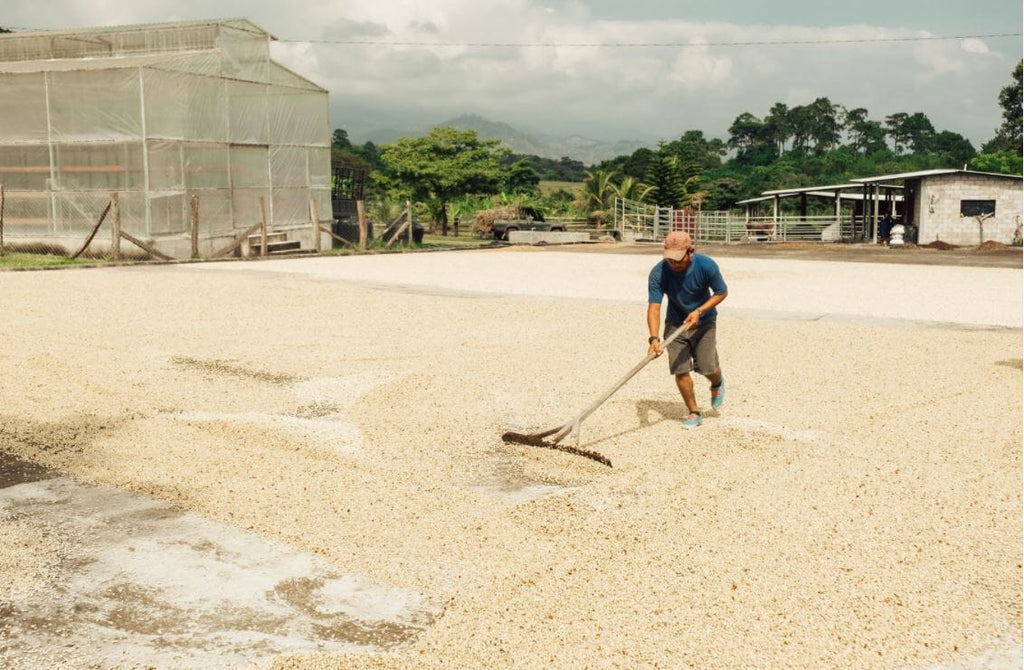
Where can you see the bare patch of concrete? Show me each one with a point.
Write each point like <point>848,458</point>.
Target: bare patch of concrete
<point>139,583</point>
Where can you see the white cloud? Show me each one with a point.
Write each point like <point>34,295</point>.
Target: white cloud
<point>974,46</point>
<point>701,83</point>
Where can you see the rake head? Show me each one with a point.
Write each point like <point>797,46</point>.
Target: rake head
<point>538,441</point>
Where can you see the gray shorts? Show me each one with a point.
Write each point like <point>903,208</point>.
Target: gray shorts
<point>695,350</point>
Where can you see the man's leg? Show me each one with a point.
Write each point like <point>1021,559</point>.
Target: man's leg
<point>706,358</point>
<point>685,385</point>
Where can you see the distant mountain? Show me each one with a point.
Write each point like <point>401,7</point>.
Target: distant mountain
<point>586,150</point>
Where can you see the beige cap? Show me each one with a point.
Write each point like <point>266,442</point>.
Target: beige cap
<point>677,243</point>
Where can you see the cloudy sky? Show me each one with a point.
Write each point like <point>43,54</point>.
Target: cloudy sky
<point>548,66</point>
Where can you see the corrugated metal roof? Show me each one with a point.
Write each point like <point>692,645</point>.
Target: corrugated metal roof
<point>810,189</point>
<point>928,173</point>
<point>820,194</point>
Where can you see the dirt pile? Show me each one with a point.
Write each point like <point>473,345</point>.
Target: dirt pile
<point>940,245</point>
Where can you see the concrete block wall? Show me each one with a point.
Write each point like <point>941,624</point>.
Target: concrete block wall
<point>939,214</point>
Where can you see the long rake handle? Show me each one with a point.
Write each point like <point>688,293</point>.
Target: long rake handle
<point>560,433</point>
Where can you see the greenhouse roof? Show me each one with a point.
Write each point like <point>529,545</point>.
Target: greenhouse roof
<point>115,41</point>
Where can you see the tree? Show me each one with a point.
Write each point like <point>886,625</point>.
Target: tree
<point>339,140</point>
<point>895,125</point>
<point>954,148</point>
<point>695,153</point>
<point>825,124</point>
<point>801,124</point>
<point>370,153</point>
<point>1008,136</point>
<point>778,126</point>
<point>341,158</point>
<point>522,178</point>
<point>633,189</point>
<point>599,191</point>
<point>723,193</point>
<point>746,132</point>
<point>865,136</point>
<point>444,165</point>
<point>1002,162</point>
<point>752,140</point>
<point>919,132</point>
<point>663,176</point>
<point>636,164</point>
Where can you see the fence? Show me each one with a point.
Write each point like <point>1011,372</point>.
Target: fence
<point>638,221</point>
<point>254,240</point>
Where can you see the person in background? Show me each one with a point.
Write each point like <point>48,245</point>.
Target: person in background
<point>885,229</point>
<point>694,287</point>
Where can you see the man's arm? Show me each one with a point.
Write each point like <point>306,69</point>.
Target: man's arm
<point>653,326</point>
<point>693,318</point>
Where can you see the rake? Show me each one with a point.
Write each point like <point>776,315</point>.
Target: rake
<point>558,433</point>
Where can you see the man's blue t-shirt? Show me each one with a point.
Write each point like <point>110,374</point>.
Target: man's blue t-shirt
<point>688,290</point>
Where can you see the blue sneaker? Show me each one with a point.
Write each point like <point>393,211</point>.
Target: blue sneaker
<point>718,394</point>
<point>692,420</point>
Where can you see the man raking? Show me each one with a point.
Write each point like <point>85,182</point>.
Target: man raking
<point>694,286</point>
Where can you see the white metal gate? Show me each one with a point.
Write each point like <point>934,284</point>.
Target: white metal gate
<point>637,221</point>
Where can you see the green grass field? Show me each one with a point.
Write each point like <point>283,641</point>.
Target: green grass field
<point>549,187</point>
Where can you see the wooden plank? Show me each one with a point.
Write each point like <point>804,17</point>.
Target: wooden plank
<point>316,224</point>
<point>397,233</point>
<point>194,224</point>
<point>19,169</point>
<point>115,227</point>
<point>361,216</point>
<point>146,247</point>
<point>337,237</point>
<point>263,226</point>
<point>88,240</point>
<point>237,241</point>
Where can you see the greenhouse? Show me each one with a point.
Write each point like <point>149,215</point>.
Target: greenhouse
<point>189,129</point>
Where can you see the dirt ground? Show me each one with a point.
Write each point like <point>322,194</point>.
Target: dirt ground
<point>990,255</point>
<point>855,503</point>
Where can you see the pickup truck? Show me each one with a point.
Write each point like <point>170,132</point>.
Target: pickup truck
<point>534,221</point>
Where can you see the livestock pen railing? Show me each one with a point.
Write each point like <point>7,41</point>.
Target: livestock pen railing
<point>640,221</point>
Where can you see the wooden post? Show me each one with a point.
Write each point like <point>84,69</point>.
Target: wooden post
<point>194,222</point>
<point>316,224</point>
<point>115,226</point>
<point>361,214</point>
<point>2,202</point>
<point>263,227</point>
<point>408,218</point>
<point>874,216</point>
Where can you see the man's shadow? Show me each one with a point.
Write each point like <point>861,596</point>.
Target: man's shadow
<point>651,412</point>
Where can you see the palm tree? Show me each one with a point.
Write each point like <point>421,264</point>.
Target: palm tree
<point>633,189</point>
<point>598,194</point>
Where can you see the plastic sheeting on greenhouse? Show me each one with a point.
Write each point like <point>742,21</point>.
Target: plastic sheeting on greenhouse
<point>157,114</point>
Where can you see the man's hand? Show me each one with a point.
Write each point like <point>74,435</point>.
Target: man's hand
<point>655,348</point>
<point>692,319</point>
